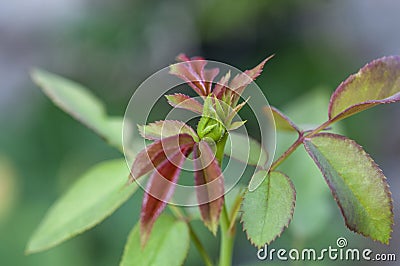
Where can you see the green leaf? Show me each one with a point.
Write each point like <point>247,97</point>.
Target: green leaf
<point>233,112</point>
<point>81,104</point>
<point>168,244</point>
<point>376,83</point>
<point>245,149</point>
<point>94,197</point>
<point>356,182</point>
<point>314,207</point>
<point>237,124</point>
<point>166,128</point>
<point>267,210</point>
<point>282,122</point>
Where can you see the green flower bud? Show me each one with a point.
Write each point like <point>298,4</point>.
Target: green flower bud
<point>210,126</point>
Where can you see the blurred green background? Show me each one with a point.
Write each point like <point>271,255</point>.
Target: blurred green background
<point>112,46</point>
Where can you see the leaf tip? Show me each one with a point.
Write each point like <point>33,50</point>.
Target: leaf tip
<point>28,250</point>
<point>213,227</point>
<point>33,73</point>
<point>145,231</point>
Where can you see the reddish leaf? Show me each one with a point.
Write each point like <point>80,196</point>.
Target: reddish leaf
<point>376,83</point>
<point>165,129</point>
<point>221,85</point>
<point>192,72</point>
<point>183,101</point>
<point>207,170</point>
<point>209,76</point>
<point>241,81</point>
<point>156,153</point>
<point>162,185</point>
<point>185,58</point>
<point>255,72</point>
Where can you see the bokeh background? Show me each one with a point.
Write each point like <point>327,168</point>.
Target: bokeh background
<point>112,46</point>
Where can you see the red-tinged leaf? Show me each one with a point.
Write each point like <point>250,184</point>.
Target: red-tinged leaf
<point>376,83</point>
<point>282,122</point>
<point>183,101</point>
<point>192,71</point>
<point>157,152</point>
<point>241,81</point>
<point>221,85</point>
<point>186,73</point>
<point>255,72</point>
<point>209,76</point>
<point>182,58</point>
<point>160,189</point>
<point>166,128</point>
<point>356,182</point>
<point>210,185</point>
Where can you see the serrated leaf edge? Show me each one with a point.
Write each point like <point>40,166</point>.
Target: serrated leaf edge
<point>283,227</point>
<point>342,87</point>
<point>373,164</point>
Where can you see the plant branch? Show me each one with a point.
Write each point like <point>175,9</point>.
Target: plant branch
<point>320,128</point>
<point>227,239</point>
<point>196,241</point>
<point>234,211</point>
<point>287,153</point>
<point>297,143</point>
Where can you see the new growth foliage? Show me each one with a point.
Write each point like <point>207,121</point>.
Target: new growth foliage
<point>357,184</point>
